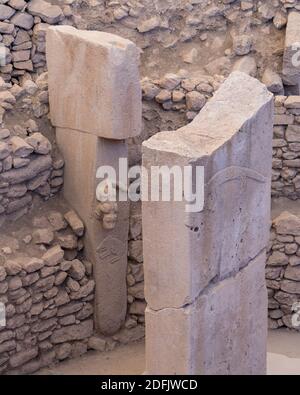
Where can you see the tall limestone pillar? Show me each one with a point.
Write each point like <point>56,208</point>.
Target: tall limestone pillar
<point>95,104</point>
<point>205,270</point>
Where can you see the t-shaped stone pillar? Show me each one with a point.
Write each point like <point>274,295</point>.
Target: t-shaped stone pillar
<point>95,104</point>
<point>205,270</point>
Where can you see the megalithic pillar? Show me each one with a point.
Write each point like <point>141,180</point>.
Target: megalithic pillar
<point>95,105</point>
<point>205,266</point>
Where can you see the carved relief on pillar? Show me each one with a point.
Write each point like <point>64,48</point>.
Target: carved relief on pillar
<point>106,211</point>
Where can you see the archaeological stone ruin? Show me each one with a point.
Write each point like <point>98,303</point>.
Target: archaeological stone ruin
<point>92,85</point>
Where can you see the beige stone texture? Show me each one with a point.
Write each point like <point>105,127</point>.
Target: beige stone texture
<point>94,82</point>
<point>106,249</point>
<point>291,66</point>
<point>231,137</point>
<point>223,332</point>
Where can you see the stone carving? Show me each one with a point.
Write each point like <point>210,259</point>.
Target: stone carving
<point>91,131</point>
<point>110,251</point>
<point>106,210</point>
<point>210,286</point>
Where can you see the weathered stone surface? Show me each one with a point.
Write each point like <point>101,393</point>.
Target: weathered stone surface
<point>75,222</point>
<point>222,251</point>
<point>23,20</point>
<point>293,134</point>
<point>287,224</point>
<point>292,287</point>
<point>53,256</point>
<point>36,165</point>
<point>73,332</point>
<point>104,248</point>
<point>292,273</point>
<point>291,70</point>
<point>116,76</point>
<point>6,12</point>
<point>47,12</point>
<point>204,252</point>
<point>22,357</point>
<point>214,331</point>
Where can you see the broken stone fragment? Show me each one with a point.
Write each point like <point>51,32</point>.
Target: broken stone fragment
<point>31,265</point>
<point>273,81</point>
<point>19,147</point>
<point>75,222</point>
<point>53,256</point>
<point>43,236</point>
<point>40,143</point>
<point>149,24</point>
<point>57,221</point>
<point>242,44</point>
<point>77,270</point>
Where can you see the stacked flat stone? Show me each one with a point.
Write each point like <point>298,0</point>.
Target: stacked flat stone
<point>26,168</point>
<point>283,270</point>
<point>48,295</point>
<point>286,147</point>
<point>23,25</point>
<point>181,93</point>
<point>135,273</point>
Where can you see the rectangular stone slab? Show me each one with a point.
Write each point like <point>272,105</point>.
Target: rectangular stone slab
<point>223,332</point>
<point>291,57</point>
<point>94,83</point>
<point>232,138</point>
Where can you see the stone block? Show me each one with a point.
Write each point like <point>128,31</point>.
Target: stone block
<point>223,332</point>
<point>94,82</point>
<point>234,147</point>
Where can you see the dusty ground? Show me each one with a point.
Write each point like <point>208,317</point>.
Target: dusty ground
<point>283,358</point>
<point>124,360</point>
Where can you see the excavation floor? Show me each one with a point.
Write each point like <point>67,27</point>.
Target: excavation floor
<point>283,358</point>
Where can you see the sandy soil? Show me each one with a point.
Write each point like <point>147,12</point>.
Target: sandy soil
<point>284,204</point>
<point>283,358</point>
<point>124,360</point>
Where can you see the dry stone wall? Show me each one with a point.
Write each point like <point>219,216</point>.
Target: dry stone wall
<point>47,290</point>
<point>23,25</point>
<point>169,102</point>
<point>283,271</point>
<point>135,273</point>
<point>26,168</point>
<point>286,147</point>
<point>30,164</point>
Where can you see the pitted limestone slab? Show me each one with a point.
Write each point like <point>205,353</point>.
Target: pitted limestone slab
<point>106,249</point>
<point>223,332</point>
<point>94,82</point>
<point>291,64</point>
<point>231,138</point>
